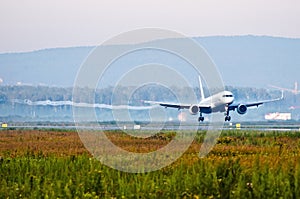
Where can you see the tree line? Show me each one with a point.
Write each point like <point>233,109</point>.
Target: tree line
<point>121,95</point>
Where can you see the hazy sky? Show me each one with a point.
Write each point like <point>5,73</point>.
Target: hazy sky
<point>28,25</point>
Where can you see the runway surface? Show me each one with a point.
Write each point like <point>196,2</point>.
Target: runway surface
<point>258,126</point>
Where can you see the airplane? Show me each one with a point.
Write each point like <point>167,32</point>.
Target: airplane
<point>295,91</point>
<point>220,102</point>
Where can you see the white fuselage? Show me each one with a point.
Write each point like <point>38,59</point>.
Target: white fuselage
<point>218,102</point>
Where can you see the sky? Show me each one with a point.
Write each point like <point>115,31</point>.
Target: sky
<point>30,25</point>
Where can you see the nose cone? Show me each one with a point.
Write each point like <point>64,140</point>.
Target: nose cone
<point>227,97</point>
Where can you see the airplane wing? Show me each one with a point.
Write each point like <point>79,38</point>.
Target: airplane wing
<point>280,88</point>
<point>175,105</point>
<point>234,106</point>
<point>171,105</point>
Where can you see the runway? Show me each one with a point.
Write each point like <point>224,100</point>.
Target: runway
<point>254,126</point>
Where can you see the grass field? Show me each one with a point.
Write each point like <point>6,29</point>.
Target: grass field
<point>243,164</point>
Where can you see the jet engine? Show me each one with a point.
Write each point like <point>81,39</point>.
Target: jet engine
<point>242,109</point>
<point>194,109</point>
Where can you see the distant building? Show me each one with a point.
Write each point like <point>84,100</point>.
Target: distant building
<point>137,127</point>
<point>4,125</point>
<point>278,116</point>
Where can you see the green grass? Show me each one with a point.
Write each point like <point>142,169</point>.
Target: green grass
<point>84,177</point>
<point>243,164</point>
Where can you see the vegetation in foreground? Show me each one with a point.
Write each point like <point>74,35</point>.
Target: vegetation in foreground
<point>244,164</point>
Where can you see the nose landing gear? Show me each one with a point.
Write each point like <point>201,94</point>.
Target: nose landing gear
<point>227,116</point>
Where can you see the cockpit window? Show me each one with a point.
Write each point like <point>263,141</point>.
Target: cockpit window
<point>227,95</point>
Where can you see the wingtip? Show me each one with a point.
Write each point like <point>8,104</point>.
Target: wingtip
<point>282,94</point>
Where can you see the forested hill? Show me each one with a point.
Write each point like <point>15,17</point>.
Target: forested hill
<point>248,61</point>
<point>152,92</point>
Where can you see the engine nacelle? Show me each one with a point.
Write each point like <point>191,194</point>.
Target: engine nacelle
<point>241,109</point>
<point>194,109</point>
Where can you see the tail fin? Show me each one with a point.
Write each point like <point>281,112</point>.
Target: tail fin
<point>201,89</point>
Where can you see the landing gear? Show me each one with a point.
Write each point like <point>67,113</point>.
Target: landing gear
<point>201,118</point>
<point>227,116</point>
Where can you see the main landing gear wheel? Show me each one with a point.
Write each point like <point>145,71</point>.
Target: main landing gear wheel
<point>201,118</point>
